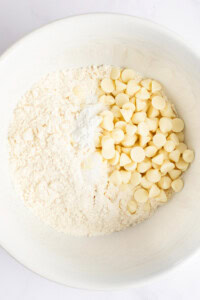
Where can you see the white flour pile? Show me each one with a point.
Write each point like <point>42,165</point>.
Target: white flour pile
<point>51,140</point>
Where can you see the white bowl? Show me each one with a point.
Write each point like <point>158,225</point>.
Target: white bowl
<point>173,233</point>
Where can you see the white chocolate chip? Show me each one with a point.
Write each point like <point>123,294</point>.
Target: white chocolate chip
<point>146,83</point>
<point>129,140</point>
<point>137,154</point>
<point>177,125</point>
<point>107,123</point>
<point>156,86</point>
<point>159,140</point>
<point>138,117</point>
<point>188,155</point>
<point>143,94</point>
<point>131,129</point>
<point>141,195</point>
<point>153,175</point>
<point>145,183</point>
<point>116,178</point>
<point>124,187</point>
<point>174,155</point>
<point>129,106</point>
<point>97,141</point>
<point>154,191</point>
<point>181,136</point>
<point>143,140</point>
<point>177,185</point>
<point>164,183</point>
<point>158,159</point>
<point>127,74</point>
<point>150,151</point>
<point>173,137</point>
<point>115,73</point>
<point>167,166</point>
<point>108,153</point>
<point>108,150</point>
<point>181,147</point>
<point>143,166</point>
<point>107,141</point>
<point>121,125</point>
<point>107,100</point>
<point>121,99</point>
<point>107,113</point>
<point>107,85</point>
<point>132,87</point>
<point>182,165</point>
<point>141,105</point>
<point>168,111</point>
<point>165,154</point>
<point>114,161</point>
<point>174,174</point>
<point>158,102</point>
<point>126,176</point>
<point>165,124</point>
<point>143,129</point>
<point>169,146</point>
<point>120,86</point>
<point>164,133</point>
<point>118,135</point>
<point>116,111</point>
<point>162,197</point>
<point>127,114</point>
<point>152,112</point>
<point>131,167</point>
<point>132,206</point>
<point>124,160</point>
<point>135,178</point>
<point>152,124</point>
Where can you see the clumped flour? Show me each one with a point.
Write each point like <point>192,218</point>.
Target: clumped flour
<point>51,141</point>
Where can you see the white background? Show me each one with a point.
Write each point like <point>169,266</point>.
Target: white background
<point>19,17</point>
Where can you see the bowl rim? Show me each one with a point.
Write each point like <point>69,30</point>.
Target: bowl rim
<point>194,51</point>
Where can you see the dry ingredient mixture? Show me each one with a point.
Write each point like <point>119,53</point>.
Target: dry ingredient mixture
<point>95,150</point>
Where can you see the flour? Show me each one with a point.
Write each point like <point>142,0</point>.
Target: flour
<point>55,169</point>
<point>86,126</point>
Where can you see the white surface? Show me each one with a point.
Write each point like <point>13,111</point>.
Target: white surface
<point>179,283</point>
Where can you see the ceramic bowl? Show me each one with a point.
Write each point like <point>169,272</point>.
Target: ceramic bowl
<point>137,254</point>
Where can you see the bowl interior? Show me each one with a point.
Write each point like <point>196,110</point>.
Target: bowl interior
<point>135,254</point>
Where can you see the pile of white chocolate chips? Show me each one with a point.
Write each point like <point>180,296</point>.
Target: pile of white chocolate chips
<point>141,138</point>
